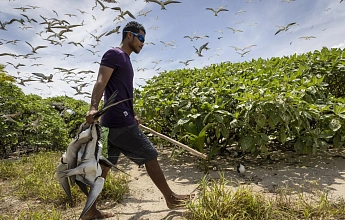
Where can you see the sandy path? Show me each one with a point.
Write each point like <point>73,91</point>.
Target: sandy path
<point>145,202</point>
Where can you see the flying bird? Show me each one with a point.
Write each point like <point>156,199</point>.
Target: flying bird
<point>9,54</point>
<point>23,9</point>
<point>3,25</point>
<point>23,81</point>
<point>248,47</point>
<point>123,13</point>
<point>16,66</point>
<point>186,63</point>
<point>44,77</point>
<point>97,38</point>
<point>101,4</point>
<point>163,4</point>
<point>116,30</point>
<point>307,37</point>
<point>93,52</point>
<point>200,37</point>
<point>202,47</point>
<point>29,19</point>
<point>75,43</point>
<point>244,53</point>
<point>216,11</point>
<point>240,11</point>
<point>141,13</point>
<point>170,43</point>
<point>35,48</point>
<point>282,28</point>
<point>191,38</point>
<point>234,30</point>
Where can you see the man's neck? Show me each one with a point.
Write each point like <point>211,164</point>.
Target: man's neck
<point>126,49</point>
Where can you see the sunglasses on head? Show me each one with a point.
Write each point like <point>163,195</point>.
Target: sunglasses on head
<point>140,37</point>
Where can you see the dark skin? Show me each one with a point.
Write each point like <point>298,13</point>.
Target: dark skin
<point>130,44</point>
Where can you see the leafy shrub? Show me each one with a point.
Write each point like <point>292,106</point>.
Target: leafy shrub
<point>37,124</point>
<point>258,104</point>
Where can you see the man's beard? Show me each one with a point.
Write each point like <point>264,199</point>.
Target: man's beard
<point>134,49</point>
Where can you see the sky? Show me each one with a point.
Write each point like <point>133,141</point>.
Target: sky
<point>246,26</point>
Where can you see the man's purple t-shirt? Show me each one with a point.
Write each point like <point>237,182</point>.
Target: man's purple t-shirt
<point>121,79</point>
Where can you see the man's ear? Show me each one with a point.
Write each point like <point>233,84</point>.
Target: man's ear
<point>129,35</point>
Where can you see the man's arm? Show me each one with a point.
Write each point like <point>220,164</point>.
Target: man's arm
<point>104,74</point>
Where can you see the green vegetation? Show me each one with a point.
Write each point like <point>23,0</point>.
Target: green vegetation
<point>290,102</point>
<point>33,179</point>
<point>37,123</point>
<point>295,103</point>
<point>218,200</point>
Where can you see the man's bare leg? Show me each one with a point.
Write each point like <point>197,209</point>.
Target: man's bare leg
<point>93,211</point>
<point>155,172</point>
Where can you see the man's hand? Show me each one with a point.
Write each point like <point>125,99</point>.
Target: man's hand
<point>137,119</point>
<point>89,116</point>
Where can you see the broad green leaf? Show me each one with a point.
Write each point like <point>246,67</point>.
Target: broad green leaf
<point>299,145</point>
<point>282,135</point>
<point>247,143</point>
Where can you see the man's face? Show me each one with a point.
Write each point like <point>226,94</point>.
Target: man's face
<point>135,44</point>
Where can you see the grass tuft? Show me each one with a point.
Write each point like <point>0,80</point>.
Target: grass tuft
<point>218,200</point>
<point>33,178</point>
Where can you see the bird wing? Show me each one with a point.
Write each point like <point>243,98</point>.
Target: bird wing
<point>74,147</point>
<point>39,47</point>
<point>95,190</point>
<point>82,186</point>
<point>170,1</point>
<point>293,23</point>
<point>203,46</point>
<point>248,47</point>
<point>29,44</point>
<point>211,9</point>
<point>231,29</point>
<point>130,14</point>
<point>196,49</point>
<point>101,35</point>
<point>64,179</point>
<point>278,31</point>
<point>102,5</point>
<point>40,75</point>
<point>117,8</point>
<point>222,9</point>
<point>155,1</point>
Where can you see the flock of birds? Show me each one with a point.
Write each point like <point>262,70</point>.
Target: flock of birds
<point>84,169</point>
<point>55,30</point>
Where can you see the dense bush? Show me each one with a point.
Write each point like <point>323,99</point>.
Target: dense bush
<point>36,123</point>
<point>258,104</point>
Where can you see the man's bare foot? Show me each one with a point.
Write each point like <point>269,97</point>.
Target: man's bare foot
<point>97,214</point>
<point>178,201</point>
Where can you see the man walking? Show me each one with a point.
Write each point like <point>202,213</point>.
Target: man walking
<point>116,73</point>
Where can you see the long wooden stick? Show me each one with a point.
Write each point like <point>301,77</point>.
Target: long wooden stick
<point>191,150</point>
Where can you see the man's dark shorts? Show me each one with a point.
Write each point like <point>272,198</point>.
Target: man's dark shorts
<point>132,142</point>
